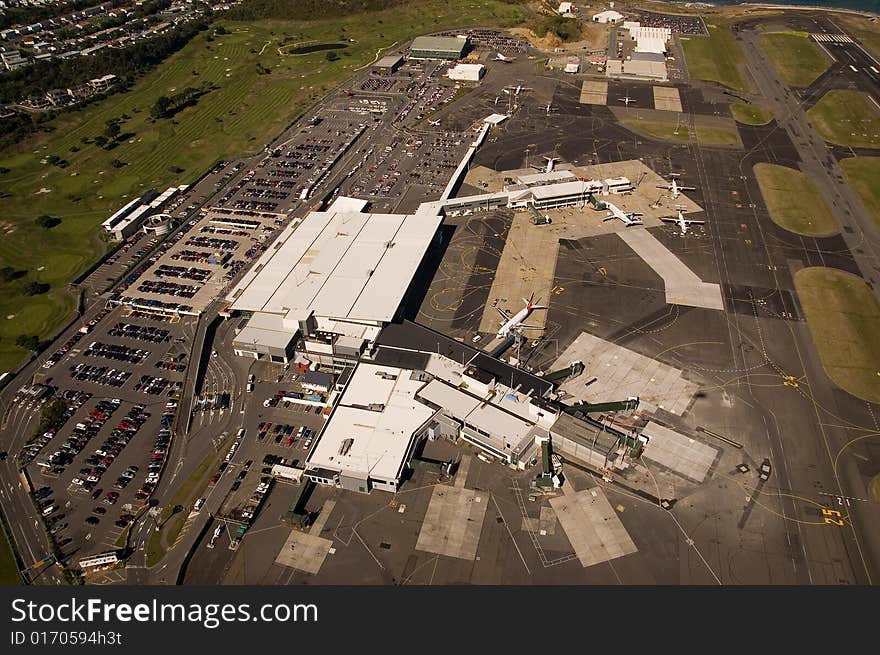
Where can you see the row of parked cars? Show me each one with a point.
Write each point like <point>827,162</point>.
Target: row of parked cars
<point>116,441</point>
<point>117,352</point>
<point>73,401</point>
<point>111,377</point>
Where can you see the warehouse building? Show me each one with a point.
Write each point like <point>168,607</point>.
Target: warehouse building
<point>329,283</point>
<point>608,17</point>
<point>438,47</point>
<point>389,63</point>
<point>467,72</point>
<point>128,219</point>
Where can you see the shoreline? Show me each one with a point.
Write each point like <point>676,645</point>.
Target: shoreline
<point>753,5</point>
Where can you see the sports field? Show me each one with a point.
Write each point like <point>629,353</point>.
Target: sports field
<point>794,202</point>
<point>847,118</point>
<point>248,107</point>
<point>716,57</point>
<point>863,176</point>
<point>797,59</point>
<point>842,314</point>
<point>750,114</point>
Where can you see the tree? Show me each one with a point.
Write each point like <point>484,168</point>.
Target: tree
<point>47,222</point>
<point>112,130</point>
<point>332,55</point>
<point>7,274</point>
<point>27,341</point>
<point>34,288</point>
<point>161,107</point>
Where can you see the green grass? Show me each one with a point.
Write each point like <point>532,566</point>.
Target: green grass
<point>842,314</point>
<point>863,176</point>
<point>658,129</point>
<point>750,114</point>
<point>794,202</point>
<point>795,57</point>
<point>186,496</point>
<point>670,131</point>
<point>865,31</point>
<point>716,57</point>
<point>9,574</point>
<point>239,118</point>
<point>717,136</point>
<point>847,118</point>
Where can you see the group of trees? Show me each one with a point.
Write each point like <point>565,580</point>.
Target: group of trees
<point>566,29</point>
<point>168,106</point>
<point>52,415</point>
<point>47,222</point>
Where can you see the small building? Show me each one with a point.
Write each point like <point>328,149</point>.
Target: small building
<point>157,225</point>
<point>566,9</point>
<point>467,72</point>
<point>438,47</point>
<point>101,84</point>
<point>389,63</point>
<point>572,67</point>
<point>317,381</point>
<point>608,17</point>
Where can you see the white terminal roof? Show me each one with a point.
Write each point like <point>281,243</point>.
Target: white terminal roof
<point>495,119</point>
<point>343,265</point>
<point>546,178</point>
<point>563,189</point>
<point>380,440</point>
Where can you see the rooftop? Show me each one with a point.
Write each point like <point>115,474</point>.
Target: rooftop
<point>344,265</point>
<point>358,440</point>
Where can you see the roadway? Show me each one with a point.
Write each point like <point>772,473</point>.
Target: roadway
<point>863,242</point>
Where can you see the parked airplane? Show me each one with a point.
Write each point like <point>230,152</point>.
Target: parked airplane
<point>629,218</point>
<point>436,122</point>
<point>675,187</point>
<point>549,108</point>
<point>550,162</point>
<point>516,89</point>
<point>627,100</point>
<point>504,58</point>
<point>515,323</point>
<point>681,221</point>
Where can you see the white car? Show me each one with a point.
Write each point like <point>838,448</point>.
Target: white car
<point>77,481</point>
<point>198,505</point>
<point>477,337</point>
<point>152,478</point>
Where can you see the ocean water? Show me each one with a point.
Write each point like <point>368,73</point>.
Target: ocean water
<point>864,5</point>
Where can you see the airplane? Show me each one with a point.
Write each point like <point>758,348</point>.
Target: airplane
<point>681,221</point>
<point>675,187</point>
<point>504,58</point>
<point>627,100</point>
<point>629,218</point>
<point>548,108</point>
<point>515,323</point>
<point>550,162</point>
<point>516,89</point>
<point>436,122</point>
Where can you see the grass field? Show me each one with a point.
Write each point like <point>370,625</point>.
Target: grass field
<point>863,176</point>
<point>795,57</point>
<point>865,31</point>
<point>671,131</point>
<point>750,114</point>
<point>842,314</point>
<point>794,202</point>
<point>239,117</point>
<point>716,58</point>
<point>847,118</point>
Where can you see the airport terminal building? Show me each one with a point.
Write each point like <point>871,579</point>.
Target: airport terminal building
<point>329,284</point>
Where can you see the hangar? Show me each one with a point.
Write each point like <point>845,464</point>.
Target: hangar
<point>438,47</point>
<point>334,279</point>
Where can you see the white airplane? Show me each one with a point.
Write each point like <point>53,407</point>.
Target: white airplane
<point>436,122</point>
<point>675,187</point>
<point>627,100</point>
<point>629,218</point>
<point>550,162</point>
<point>681,221</point>
<point>504,58</point>
<point>549,108</point>
<point>516,89</point>
<point>515,323</point>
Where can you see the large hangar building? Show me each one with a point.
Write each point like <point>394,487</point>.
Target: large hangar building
<point>330,283</point>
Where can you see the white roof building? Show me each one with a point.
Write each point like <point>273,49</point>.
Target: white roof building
<point>344,266</point>
<point>371,434</point>
<point>609,16</point>
<point>467,72</point>
<point>566,8</point>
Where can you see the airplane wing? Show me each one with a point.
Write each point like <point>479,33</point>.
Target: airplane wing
<point>664,186</point>
<point>522,326</point>
<point>668,219</point>
<point>504,314</point>
<point>695,222</point>
<point>609,217</point>
<point>687,188</point>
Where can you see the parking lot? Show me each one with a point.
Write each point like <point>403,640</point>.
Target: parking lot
<point>197,265</point>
